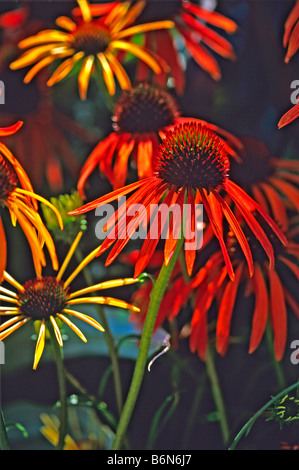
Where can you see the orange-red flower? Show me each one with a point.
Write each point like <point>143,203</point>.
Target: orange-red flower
<point>271,181</point>
<point>191,167</point>
<point>16,193</point>
<point>89,43</point>
<point>141,115</point>
<point>42,145</point>
<point>270,288</point>
<point>192,24</point>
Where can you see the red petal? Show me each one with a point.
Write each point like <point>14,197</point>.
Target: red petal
<point>211,17</point>
<point>94,158</point>
<point>4,131</point>
<point>225,312</point>
<point>110,197</point>
<point>289,116</point>
<point>218,233</point>
<point>201,55</point>
<point>261,309</point>
<point>190,254</point>
<point>174,232</point>
<point>277,205</point>
<point>209,37</point>
<point>235,226</point>
<point>149,245</point>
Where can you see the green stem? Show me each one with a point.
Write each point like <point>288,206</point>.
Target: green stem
<point>57,351</point>
<point>108,338</point>
<point>217,395</point>
<point>4,445</point>
<point>147,333</point>
<point>246,428</point>
<point>276,365</point>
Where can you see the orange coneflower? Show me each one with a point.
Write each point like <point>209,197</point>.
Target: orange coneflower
<point>192,168</point>
<point>271,181</point>
<point>16,193</point>
<point>192,23</point>
<point>270,287</point>
<point>89,42</point>
<point>140,116</point>
<point>41,145</point>
<point>47,300</point>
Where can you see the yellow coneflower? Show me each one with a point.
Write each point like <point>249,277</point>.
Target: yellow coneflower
<point>91,42</point>
<point>47,299</point>
<point>16,193</point>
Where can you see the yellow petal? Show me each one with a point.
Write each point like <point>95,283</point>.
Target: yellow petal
<point>13,328</point>
<point>138,52</point>
<point>85,10</point>
<point>103,301</point>
<point>40,344</point>
<point>104,285</point>
<point>84,76</point>
<point>56,331</point>
<point>91,321</point>
<point>107,73</point>
<point>66,23</point>
<point>64,69</point>
<point>142,28</point>
<point>35,54</point>
<point>121,75</point>
<point>44,37</point>
<point>72,326</point>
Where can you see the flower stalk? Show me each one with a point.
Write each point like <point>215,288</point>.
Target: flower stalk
<point>58,357</point>
<point>147,333</point>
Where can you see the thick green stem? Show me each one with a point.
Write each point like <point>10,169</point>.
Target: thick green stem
<point>217,395</point>
<point>4,445</point>
<point>147,333</point>
<point>108,338</point>
<point>57,352</point>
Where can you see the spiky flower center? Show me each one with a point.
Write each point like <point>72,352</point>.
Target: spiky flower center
<point>91,38</point>
<point>192,155</point>
<point>144,109</point>
<point>8,179</point>
<point>42,298</point>
<point>255,165</point>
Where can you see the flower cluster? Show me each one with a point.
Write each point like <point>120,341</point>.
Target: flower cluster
<point>218,207</point>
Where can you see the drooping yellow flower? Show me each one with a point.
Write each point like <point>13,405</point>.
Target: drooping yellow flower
<point>16,193</point>
<point>48,301</point>
<point>90,42</point>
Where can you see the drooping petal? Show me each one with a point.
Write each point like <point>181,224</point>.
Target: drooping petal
<point>174,229</point>
<point>225,312</point>
<point>218,233</point>
<point>84,76</point>
<point>235,226</point>
<point>289,116</point>
<point>261,309</point>
<point>212,17</point>
<point>278,314</point>
<point>201,55</point>
<point>210,37</point>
